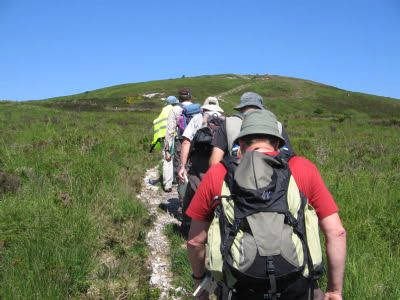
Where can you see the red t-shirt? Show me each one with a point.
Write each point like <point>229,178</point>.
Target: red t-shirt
<point>305,173</point>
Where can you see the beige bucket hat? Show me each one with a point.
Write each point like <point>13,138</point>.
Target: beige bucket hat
<point>211,103</point>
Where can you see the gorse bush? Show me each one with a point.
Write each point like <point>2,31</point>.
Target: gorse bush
<point>133,99</point>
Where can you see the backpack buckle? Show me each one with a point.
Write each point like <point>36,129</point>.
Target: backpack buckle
<point>291,220</point>
<point>270,267</point>
<point>269,296</point>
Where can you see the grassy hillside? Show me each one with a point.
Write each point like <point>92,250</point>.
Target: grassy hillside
<point>70,225</point>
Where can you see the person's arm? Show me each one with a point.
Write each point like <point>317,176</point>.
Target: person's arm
<point>217,155</point>
<point>196,246</point>
<point>171,128</point>
<point>185,148</point>
<point>220,145</point>
<point>335,240</point>
<point>196,250</point>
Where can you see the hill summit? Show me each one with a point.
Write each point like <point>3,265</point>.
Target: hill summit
<point>283,95</point>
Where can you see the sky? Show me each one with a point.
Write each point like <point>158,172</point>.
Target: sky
<point>52,48</point>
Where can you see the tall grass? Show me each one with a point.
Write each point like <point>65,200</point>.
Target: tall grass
<point>74,227</point>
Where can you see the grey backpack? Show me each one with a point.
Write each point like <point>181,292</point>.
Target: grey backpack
<point>264,235</point>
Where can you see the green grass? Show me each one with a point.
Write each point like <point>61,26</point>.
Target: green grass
<point>75,229</point>
<point>179,262</point>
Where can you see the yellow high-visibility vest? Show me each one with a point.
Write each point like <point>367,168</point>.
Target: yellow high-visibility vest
<point>160,126</point>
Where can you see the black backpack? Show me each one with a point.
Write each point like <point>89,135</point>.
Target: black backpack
<point>201,143</point>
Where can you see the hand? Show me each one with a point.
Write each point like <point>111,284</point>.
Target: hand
<point>182,173</point>
<point>333,296</point>
<point>204,295</point>
<point>167,155</point>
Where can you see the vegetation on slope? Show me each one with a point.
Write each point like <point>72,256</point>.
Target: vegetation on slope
<point>71,226</point>
<point>74,227</point>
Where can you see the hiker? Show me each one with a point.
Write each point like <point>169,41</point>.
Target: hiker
<point>196,148</point>
<point>224,137</point>
<point>160,128</point>
<point>259,215</point>
<point>177,121</point>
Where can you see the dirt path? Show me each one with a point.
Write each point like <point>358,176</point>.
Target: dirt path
<point>234,90</point>
<point>159,261</point>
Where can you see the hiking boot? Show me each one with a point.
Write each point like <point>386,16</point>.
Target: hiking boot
<point>154,181</point>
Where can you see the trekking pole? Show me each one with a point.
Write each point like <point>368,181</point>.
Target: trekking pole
<point>154,145</point>
<point>208,284</point>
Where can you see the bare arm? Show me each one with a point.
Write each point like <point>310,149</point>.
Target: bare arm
<point>184,157</point>
<point>196,251</point>
<point>216,156</point>
<point>196,246</point>
<point>335,239</point>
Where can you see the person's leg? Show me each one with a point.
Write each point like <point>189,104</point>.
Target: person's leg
<point>189,193</point>
<point>167,174</point>
<point>177,158</point>
<point>193,184</point>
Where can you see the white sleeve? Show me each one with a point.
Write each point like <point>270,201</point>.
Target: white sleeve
<point>194,125</point>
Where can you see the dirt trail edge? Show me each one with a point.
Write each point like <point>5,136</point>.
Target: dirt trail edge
<point>159,262</point>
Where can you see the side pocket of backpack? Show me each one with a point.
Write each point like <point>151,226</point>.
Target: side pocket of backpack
<point>213,252</point>
<point>313,240</point>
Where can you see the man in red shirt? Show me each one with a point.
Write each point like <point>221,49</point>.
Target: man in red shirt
<point>309,182</point>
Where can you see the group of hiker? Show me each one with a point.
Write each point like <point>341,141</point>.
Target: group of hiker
<point>251,208</point>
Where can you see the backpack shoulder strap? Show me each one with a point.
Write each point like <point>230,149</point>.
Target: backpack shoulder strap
<point>285,156</point>
<point>230,163</point>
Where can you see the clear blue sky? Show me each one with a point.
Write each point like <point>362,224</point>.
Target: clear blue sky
<point>53,47</point>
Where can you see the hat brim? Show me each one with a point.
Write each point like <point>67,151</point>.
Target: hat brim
<point>241,105</point>
<point>213,108</point>
<point>261,132</point>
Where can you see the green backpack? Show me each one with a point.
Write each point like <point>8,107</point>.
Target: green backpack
<point>264,235</point>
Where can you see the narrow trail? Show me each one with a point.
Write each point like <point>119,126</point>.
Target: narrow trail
<point>165,208</point>
<point>159,262</point>
<point>234,90</point>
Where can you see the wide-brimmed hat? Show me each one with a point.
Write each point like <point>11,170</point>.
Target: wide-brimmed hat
<point>211,103</point>
<point>250,99</point>
<point>172,100</point>
<point>260,122</point>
